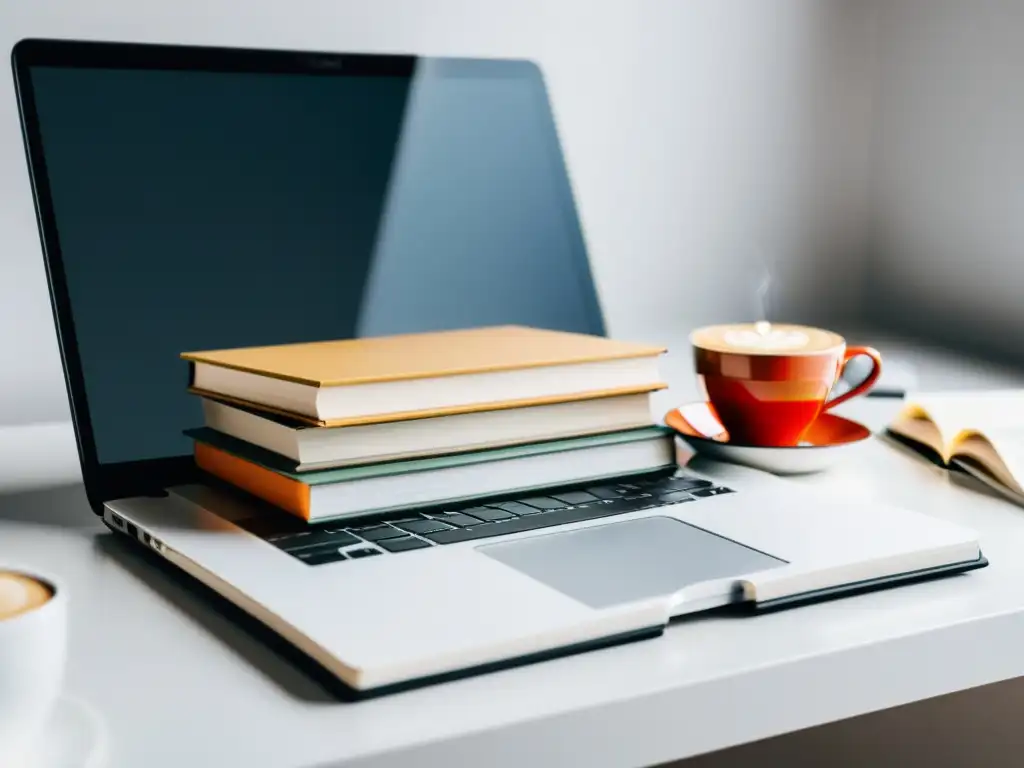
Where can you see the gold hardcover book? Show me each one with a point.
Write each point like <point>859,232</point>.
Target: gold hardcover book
<point>352,381</point>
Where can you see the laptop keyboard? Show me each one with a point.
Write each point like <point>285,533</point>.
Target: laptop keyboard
<point>409,531</point>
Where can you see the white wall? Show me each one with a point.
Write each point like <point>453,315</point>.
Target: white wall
<point>694,131</point>
<point>948,171</point>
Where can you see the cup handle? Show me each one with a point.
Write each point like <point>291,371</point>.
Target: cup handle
<point>864,386</point>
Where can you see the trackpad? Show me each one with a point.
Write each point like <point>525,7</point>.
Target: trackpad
<point>621,562</point>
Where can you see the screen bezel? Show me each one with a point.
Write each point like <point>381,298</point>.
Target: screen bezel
<point>104,482</point>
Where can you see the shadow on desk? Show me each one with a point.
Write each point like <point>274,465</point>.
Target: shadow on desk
<point>63,506</point>
<point>278,661</point>
<point>973,728</point>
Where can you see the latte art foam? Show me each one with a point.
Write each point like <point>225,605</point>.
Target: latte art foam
<point>765,338</point>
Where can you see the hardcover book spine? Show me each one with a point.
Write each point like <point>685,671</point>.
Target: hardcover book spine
<point>268,485</point>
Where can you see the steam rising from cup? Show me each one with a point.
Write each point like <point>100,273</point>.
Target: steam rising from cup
<point>763,325</point>
<point>762,296</point>
<point>763,336</point>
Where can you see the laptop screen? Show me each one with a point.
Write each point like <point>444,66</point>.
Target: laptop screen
<point>212,205</point>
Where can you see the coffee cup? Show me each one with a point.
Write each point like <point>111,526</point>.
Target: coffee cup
<point>33,620</point>
<point>767,383</point>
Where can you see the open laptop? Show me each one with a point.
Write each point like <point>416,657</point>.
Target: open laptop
<point>196,198</point>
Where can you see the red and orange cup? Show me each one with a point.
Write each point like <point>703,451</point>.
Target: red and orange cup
<point>767,384</point>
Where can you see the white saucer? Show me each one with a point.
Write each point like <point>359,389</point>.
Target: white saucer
<point>74,737</point>
<point>828,441</point>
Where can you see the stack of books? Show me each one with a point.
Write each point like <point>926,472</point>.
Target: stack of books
<point>336,429</point>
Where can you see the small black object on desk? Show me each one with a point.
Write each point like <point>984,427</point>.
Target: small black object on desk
<point>896,394</point>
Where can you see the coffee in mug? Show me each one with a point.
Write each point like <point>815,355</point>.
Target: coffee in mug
<point>20,594</point>
<point>767,383</point>
<point>33,615</point>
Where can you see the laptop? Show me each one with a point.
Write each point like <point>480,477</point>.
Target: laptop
<point>202,198</point>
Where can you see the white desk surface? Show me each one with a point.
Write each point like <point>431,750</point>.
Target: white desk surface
<point>179,684</point>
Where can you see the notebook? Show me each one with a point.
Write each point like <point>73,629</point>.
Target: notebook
<point>358,381</point>
<point>981,433</point>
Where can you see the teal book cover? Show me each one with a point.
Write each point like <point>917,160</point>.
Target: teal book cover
<point>284,466</point>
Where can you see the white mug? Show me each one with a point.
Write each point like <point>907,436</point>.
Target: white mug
<point>33,648</point>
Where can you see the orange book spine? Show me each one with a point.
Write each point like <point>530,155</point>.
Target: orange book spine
<point>280,491</point>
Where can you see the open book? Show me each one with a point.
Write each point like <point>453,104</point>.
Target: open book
<point>981,433</point>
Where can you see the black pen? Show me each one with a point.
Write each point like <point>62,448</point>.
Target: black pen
<point>896,394</point>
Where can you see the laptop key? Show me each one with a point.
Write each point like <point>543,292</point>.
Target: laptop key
<point>683,483</point>
<point>423,526</point>
<point>605,492</point>
<point>457,519</point>
<point>320,556</point>
<point>488,514</point>
<point>366,552</point>
<point>705,492</point>
<point>675,497</point>
<point>516,508</point>
<point>403,544</point>
<point>316,538</point>
<point>575,497</point>
<point>514,525</point>
<point>543,502</point>
<point>379,533</point>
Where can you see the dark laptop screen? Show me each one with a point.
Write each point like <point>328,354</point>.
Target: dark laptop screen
<point>208,209</point>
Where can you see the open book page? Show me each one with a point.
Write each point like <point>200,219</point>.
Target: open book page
<point>980,474</point>
<point>935,420</point>
<point>999,451</point>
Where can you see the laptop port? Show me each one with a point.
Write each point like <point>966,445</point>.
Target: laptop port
<point>133,530</point>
